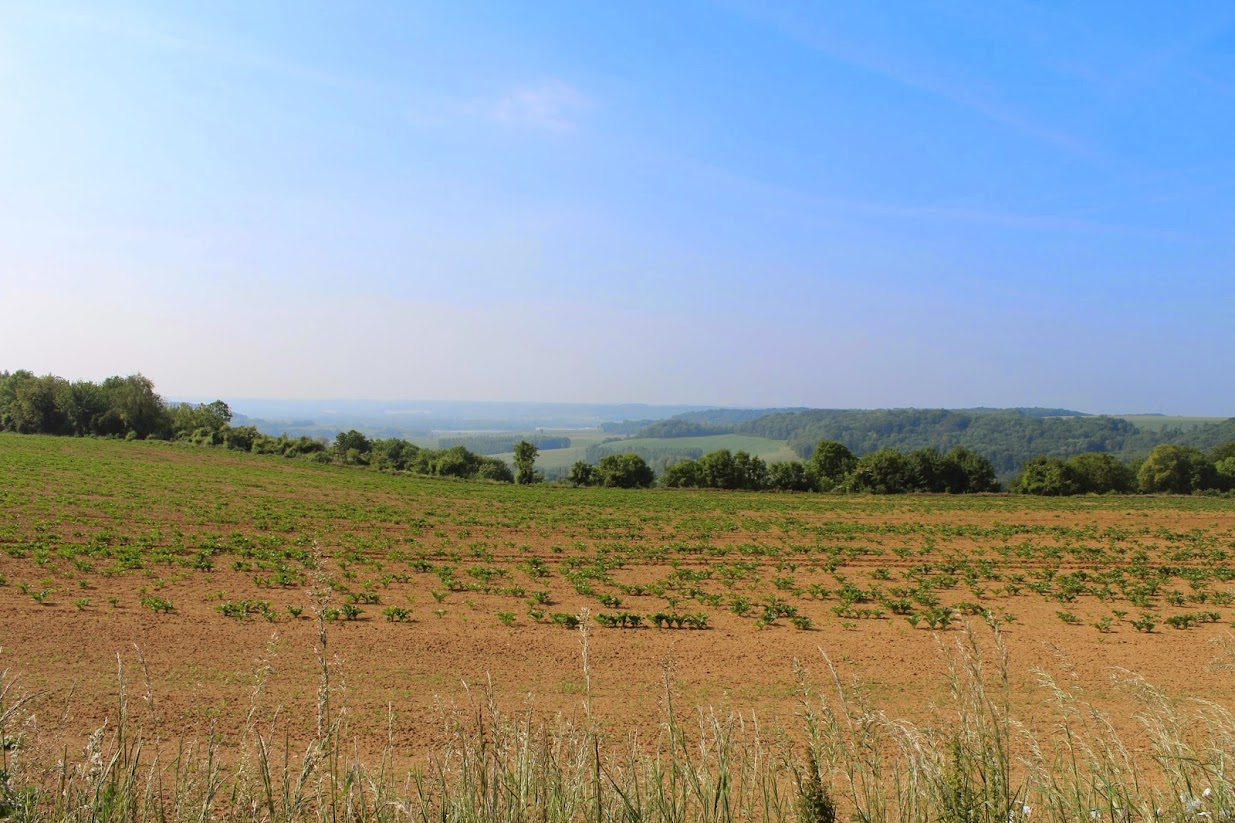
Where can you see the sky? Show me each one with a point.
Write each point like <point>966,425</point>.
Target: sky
<point>852,205</point>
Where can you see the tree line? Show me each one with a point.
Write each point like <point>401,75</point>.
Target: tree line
<point>129,407</point>
<point>834,467</point>
<point>116,407</point>
<point>622,471</point>
<point>353,448</point>
<point>1009,438</point>
<point>1169,469</point>
<point>394,454</point>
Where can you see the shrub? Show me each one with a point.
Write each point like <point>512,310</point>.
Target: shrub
<point>396,614</point>
<point>568,621</point>
<point>156,604</point>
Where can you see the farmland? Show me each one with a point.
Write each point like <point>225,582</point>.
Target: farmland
<point>557,461</point>
<point>212,564</point>
<point>589,444</point>
<point>762,447</point>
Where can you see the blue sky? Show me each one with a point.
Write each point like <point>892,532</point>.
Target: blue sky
<point>826,204</point>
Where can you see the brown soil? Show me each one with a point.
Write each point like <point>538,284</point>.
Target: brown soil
<point>204,668</point>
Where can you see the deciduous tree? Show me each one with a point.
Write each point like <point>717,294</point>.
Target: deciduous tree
<point>831,463</point>
<point>525,463</point>
<point>1176,470</point>
<point>583,473</point>
<point>885,471</point>
<point>625,471</point>
<point>1048,476</point>
<point>1101,473</point>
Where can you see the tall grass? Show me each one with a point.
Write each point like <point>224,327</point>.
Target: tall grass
<point>974,762</point>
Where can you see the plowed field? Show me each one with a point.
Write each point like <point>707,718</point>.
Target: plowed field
<point>210,567</point>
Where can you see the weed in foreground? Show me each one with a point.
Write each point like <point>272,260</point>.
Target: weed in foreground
<point>974,764</point>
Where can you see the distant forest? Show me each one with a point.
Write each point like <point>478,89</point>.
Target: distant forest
<point>1009,438</point>
<point>880,451</point>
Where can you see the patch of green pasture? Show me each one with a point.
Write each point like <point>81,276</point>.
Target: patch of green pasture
<point>773,451</point>
<point>554,459</point>
<point>1154,422</point>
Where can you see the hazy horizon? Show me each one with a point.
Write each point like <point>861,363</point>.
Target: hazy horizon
<point>932,205</point>
<point>397,405</point>
<point>395,400</point>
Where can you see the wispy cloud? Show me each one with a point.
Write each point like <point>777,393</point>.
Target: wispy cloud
<point>553,106</point>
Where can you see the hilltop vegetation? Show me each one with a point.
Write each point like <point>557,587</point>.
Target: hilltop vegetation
<point>1206,437</point>
<point>129,407</point>
<point>1007,439</point>
<point>710,422</point>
